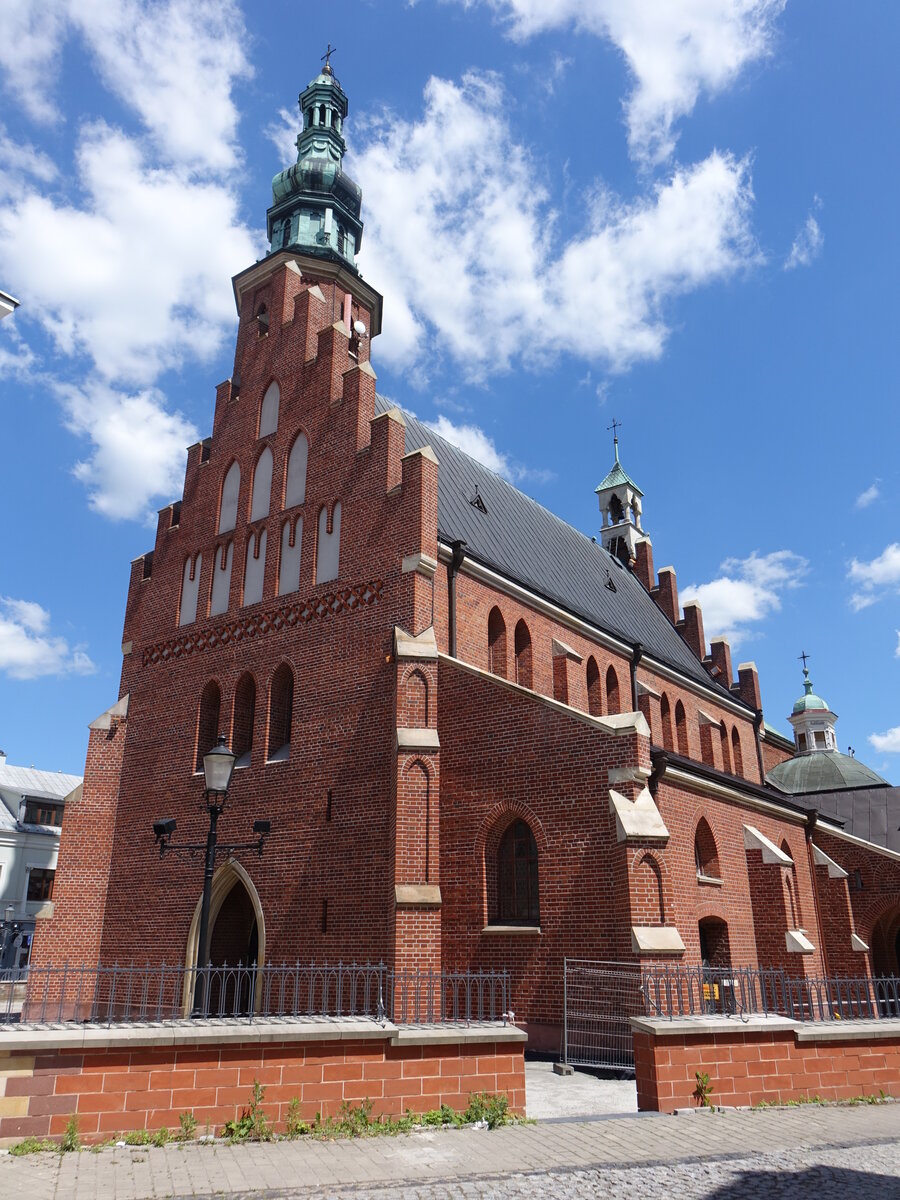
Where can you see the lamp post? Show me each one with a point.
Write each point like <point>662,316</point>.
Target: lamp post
<point>10,927</point>
<point>218,765</point>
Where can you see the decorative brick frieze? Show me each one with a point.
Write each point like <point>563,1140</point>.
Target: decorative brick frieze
<point>286,616</point>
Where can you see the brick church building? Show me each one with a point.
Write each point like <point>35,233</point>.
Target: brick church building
<point>483,739</point>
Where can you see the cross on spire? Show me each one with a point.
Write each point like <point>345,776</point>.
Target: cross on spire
<point>616,425</point>
<point>803,657</point>
<point>326,57</point>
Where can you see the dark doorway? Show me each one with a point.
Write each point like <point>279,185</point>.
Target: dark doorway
<point>715,955</point>
<point>886,945</point>
<point>233,953</point>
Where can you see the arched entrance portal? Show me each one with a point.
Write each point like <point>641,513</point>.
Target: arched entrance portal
<point>237,936</point>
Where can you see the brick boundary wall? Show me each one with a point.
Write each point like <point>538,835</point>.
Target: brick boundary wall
<point>769,1059</point>
<point>120,1080</point>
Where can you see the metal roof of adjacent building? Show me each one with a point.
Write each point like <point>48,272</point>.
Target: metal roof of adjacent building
<point>525,542</point>
<point>823,771</point>
<point>44,785</point>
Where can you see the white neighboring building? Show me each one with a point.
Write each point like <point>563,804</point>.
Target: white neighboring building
<point>32,804</point>
<point>8,305</point>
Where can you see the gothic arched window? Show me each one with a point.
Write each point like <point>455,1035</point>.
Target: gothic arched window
<point>496,643</point>
<point>517,877</point>
<point>523,654</point>
<point>281,706</point>
<point>594,688</point>
<point>612,691</point>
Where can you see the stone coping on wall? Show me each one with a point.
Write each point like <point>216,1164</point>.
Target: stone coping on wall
<point>711,1024</point>
<point>26,1038</point>
<point>887,1028</point>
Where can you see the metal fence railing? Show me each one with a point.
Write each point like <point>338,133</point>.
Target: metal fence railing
<point>678,991</point>
<point>157,993</point>
<point>600,998</point>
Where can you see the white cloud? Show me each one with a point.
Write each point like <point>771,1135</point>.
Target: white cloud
<point>454,197</point>
<point>28,651</point>
<point>143,281</point>
<point>138,448</point>
<point>807,245</point>
<point>475,442</point>
<point>747,591</point>
<point>21,162</point>
<point>888,742</point>
<point>144,240</point>
<point>675,51</point>
<point>897,647</point>
<point>31,36</point>
<point>876,577</point>
<point>174,62</point>
<point>869,496</point>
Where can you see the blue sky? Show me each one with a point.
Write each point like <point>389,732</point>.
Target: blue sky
<point>682,216</point>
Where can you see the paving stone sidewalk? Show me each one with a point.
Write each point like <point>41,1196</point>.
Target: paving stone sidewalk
<point>844,1152</point>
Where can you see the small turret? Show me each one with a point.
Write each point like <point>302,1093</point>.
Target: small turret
<point>812,719</point>
<point>316,206</point>
<point>620,503</point>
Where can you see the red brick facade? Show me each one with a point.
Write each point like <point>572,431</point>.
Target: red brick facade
<point>406,766</point>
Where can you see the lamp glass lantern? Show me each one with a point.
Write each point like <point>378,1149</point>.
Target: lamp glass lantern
<point>218,765</point>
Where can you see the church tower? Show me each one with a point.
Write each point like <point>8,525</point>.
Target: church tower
<point>315,205</point>
<point>620,503</point>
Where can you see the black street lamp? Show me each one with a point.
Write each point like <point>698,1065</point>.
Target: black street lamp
<point>9,928</point>
<point>218,765</point>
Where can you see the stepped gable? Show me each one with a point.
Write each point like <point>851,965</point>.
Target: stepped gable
<point>525,542</point>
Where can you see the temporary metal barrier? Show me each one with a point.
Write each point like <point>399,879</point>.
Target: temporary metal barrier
<point>158,993</point>
<point>599,1000</point>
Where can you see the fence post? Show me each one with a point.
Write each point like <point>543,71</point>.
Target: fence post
<point>566,1011</point>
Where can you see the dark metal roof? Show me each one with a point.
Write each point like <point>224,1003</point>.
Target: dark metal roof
<point>525,542</point>
<point>872,814</point>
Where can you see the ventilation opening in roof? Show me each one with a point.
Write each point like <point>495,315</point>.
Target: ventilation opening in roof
<point>478,503</point>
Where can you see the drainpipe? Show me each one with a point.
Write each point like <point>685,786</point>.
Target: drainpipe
<point>456,561</point>
<point>757,726</point>
<point>812,818</point>
<point>659,761</point>
<point>637,653</point>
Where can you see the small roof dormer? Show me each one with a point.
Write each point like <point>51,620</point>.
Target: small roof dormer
<point>620,501</point>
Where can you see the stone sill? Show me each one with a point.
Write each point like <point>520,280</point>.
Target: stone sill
<point>235,1032</point>
<point>515,930</point>
<point>804,1031</point>
<point>679,1026</point>
<point>710,880</point>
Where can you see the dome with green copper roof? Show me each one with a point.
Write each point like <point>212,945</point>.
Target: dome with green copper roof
<point>822,771</point>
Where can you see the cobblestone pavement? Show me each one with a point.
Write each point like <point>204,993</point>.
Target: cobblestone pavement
<point>825,1153</point>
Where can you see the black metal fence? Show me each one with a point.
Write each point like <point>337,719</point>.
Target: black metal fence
<point>600,998</point>
<point>160,993</point>
<point>679,991</point>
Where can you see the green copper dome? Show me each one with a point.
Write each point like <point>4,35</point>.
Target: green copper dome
<point>822,771</point>
<point>809,701</point>
<point>316,206</point>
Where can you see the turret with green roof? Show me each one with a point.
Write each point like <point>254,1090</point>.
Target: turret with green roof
<point>620,503</point>
<point>316,206</point>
